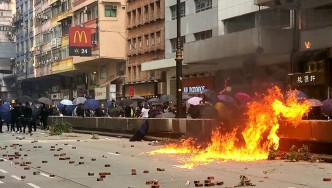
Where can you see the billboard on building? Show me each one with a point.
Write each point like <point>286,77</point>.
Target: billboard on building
<point>80,41</point>
<point>100,93</point>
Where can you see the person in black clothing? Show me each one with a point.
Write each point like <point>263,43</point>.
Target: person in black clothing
<point>1,122</point>
<point>27,121</point>
<point>64,110</point>
<point>127,111</point>
<point>194,111</point>
<point>43,116</point>
<point>80,110</point>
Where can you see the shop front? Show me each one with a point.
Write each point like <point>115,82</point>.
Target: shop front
<point>147,90</point>
<point>313,73</point>
<point>195,86</point>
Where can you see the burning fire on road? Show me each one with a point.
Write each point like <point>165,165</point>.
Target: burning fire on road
<point>252,143</point>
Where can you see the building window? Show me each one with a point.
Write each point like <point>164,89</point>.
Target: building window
<point>173,43</point>
<point>146,40</point>
<point>240,23</point>
<point>203,35</point>
<point>92,12</point>
<point>202,5</point>
<point>110,10</point>
<point>103,72</point>
<point>158,38</point>
<point>182,10</point>
<point>129,45</point>
<point>140,42</point>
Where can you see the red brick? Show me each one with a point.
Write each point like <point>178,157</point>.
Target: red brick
<point>133,173</point>
<point>145,171</point>
<point>44,161</point>
<point>102,173</point>
<point>71,162</point>
<point>80,162</point>
<point>100,179</point>
<point>154,186</point>
<point>219,182</point>
<point>62,154</point>
<point>210,178</point>
<point>107,173</point>
<point>91,174</point>
<point>326,179</point>
<point>103,176</point>
<point>52,175</point>
<point>149,182</point>
<point>2,177</point>
<point>81,157</point>
<point>26,168</point>
<point>93,159</point>
<point>107,165</point>
<point>23,177</point>
<point>199,185</point>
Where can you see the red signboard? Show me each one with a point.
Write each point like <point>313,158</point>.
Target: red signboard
<point>80,37</point>
<point>131,91</point>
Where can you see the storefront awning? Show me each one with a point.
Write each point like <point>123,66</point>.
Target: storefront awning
<point>313,55</point>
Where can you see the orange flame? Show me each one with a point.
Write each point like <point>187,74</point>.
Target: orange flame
<point>260,132</point>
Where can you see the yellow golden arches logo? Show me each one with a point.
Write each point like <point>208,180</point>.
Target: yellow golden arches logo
<point>80,35</point>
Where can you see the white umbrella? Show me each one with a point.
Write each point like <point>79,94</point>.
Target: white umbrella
<point>195,100</point>
<point>66,102</point>
<point>79,100</point>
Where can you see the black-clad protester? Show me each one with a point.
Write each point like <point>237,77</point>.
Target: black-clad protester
<point>64,110</point>
<point>43,116</point>
<point>27,120</point>
<point>1,122</point>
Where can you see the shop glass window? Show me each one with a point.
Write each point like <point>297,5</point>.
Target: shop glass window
<point>103,72</point>
<point>203,35</point>
<point>110,10</point>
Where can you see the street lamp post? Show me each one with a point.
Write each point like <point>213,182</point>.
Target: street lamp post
<point>178,60</point>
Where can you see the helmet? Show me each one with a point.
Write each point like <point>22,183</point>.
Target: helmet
<point>13,102</point>
<point>102,105</point>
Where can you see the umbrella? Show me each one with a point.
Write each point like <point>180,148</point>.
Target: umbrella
<point>226,99</point>
<point>315,102</point>
<point>195,100</point>
<point>138,98</point>
<point>243,97</point>
<point>45,100</point>
<point>166,98</point>
<point>298,94</point>
<point>24,99</point>
<point>166,115</point>
<point>110,104</point>
<point>327,107</point>
<point>210,95</point>
<point>185,97</point>
<point>79,100</point>
<point>126,102</point>
<point>153,100</point>
<point>66,102</point>
<point>92,104</point>
<point>5,113</point>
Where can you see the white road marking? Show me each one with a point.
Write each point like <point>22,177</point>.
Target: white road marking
<point>3,159</point>
<point>17,178</point>
<point>113,153</point>
<point>46,175</point>
<point>33,185</point>
<point>3,171</point>
<point>1,182</point>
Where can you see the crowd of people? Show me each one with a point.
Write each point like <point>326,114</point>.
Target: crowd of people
<point>25,116</point>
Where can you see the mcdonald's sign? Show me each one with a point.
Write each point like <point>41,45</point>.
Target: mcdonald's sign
<point>80,41</point>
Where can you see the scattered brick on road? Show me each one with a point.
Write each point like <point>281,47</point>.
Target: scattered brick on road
<point>107,165</point>
<point>326,179</point>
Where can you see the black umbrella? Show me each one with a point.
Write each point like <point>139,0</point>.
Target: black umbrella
<point>45,100</point>
<point>126,102</point>
<point>208,112</point>
<point>24,99</point>
<point>153,100</point>
<point>166,98</point>
<point>185,97</point>
<point>210,95</point>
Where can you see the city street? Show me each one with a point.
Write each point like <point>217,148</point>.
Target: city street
<point>77,155</point>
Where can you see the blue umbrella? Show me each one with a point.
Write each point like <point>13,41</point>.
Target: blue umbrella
<point>70,108</point>
<point>92,104</point>
<point>5,112</point>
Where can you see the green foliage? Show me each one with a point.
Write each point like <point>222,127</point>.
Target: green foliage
<point>95,136</point>
<point>114,112</point>
<point>304,152</point>
<point>272,152</point>
<point>244,181</point>
<point>59,128</point>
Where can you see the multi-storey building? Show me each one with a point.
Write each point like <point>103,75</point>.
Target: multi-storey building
<point>311,44</point>
<point>146,42</point>
<point>229,39</point>
<point>23,21</point>
<point>198,22</point>
<point>7,49</point>
<point>105,69</point>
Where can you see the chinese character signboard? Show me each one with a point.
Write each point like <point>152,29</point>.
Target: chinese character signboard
<point>80,41</point>
<point>308,78</point>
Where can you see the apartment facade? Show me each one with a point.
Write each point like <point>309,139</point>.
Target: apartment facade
<point>312,45</point>
<point>194,27</point>
<point>146,42</point>
<point>7,49</point>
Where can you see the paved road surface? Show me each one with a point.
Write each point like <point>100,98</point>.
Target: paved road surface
<point>123,158</point>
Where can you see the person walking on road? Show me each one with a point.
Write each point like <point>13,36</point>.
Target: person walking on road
<point>27,121</point>
<point>43,116</point>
